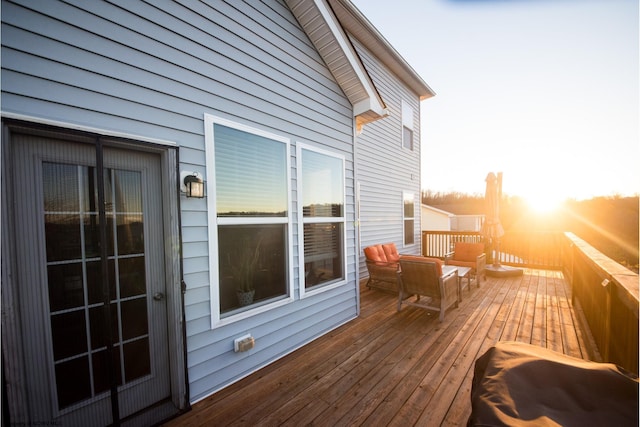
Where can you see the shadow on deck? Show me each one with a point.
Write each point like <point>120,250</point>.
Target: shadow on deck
<point>389,368</point>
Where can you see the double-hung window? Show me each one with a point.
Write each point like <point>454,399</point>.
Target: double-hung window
<point>321,193</point>
<point>249,237</point>
<point>408,213</point>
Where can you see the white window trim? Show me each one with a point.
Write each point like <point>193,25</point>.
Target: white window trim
<point>405,218</point>
<point>304,293</point>
<point>213,221</point>
<point>89,129</point>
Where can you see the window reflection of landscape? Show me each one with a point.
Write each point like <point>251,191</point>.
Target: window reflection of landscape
<point>251,174</point>
<point>408,210</point>
<point>322,178</point>
<point>323,212</point>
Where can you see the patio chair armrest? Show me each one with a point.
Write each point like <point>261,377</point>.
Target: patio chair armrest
<point>448,256</point>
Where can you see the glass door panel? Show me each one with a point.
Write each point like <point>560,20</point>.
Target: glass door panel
<point>77,320</point>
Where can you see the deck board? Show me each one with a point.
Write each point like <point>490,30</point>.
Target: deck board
<point>399,368</point>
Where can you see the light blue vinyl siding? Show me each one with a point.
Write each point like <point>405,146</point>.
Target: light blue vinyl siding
<point>153,69</point>
<point>386,169</point>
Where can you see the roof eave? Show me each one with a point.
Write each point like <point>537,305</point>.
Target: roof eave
<point>359,27</point>
<point>327,34</point>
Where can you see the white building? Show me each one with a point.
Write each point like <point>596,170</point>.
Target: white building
<point>436,219</point>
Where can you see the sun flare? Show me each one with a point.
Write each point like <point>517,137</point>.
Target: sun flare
<point>543,203</point>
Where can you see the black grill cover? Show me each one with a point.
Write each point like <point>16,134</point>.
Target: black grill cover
<point>517,384</point>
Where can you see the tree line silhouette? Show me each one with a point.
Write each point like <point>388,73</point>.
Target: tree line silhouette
<point>609,224</point>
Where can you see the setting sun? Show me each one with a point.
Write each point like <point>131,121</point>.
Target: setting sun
<point>543,203</point>
<point>542,193</point>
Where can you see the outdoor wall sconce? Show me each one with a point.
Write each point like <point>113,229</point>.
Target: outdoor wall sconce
<point>192,184</point>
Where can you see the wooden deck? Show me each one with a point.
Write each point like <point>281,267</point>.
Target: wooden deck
<point>399,369</point>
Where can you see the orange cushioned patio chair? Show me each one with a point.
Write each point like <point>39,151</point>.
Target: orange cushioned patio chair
<point>382,264</point>
<point>424,278</point>
<point>469,255</point>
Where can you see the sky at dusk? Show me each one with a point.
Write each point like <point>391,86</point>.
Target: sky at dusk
<point>545,91</point>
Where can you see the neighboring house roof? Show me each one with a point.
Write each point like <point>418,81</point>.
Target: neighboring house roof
<point>325,23</point>
<point>436,210</point>
<point>458,209</point>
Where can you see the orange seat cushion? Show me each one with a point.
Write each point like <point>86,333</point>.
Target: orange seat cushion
<point>467,251</point>
<point>391,252</point>
<point>438,262</point>
<point>376,254</point>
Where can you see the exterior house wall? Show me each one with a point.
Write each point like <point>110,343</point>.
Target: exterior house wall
<point>436,219</point>
<point>467,222</point>
<point>441,220</point>
<point>384,168</point>
<point>151,72</point>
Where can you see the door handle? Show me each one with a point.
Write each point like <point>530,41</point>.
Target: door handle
<point>158,296</point>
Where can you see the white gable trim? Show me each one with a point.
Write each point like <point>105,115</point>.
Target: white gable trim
<point>326,33</point>
<point>358,26</point>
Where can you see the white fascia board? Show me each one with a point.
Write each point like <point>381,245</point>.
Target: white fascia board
<point>366,105</point>
<point>374,102</point>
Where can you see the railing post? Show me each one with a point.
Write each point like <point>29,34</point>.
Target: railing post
<point>607,320</point>
<point>569,269</point>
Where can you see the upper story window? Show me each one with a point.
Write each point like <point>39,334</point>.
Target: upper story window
<point>249,236</point>
<point>407,126</point>
<point>322,194</point>
<point>408,209</point>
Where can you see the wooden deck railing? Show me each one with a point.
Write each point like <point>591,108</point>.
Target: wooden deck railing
<point>439,243</point>
<point>533,250</point>
<point>606,291</point>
